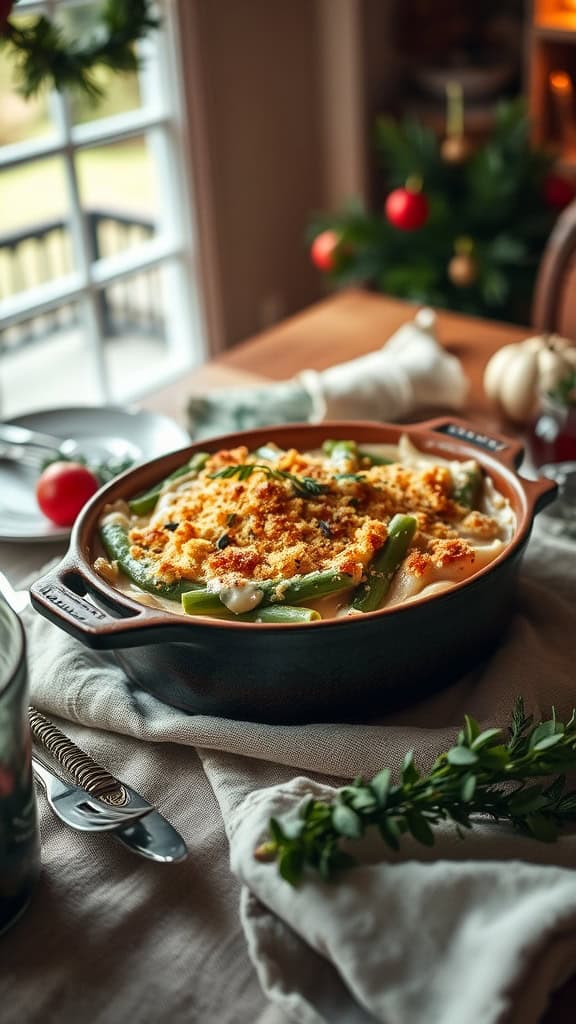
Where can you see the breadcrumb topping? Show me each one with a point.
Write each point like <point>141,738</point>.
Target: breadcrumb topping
<point>261,527</point>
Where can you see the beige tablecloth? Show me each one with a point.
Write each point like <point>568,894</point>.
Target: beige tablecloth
<point>110,937</point>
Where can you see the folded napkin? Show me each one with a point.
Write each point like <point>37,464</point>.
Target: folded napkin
<point>410,372</point>
<point>482,929</point>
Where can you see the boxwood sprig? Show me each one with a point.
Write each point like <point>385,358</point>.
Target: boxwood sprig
<point>304,486</point>
<point>472,778</point>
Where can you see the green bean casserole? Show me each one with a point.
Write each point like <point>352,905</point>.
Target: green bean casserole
<point>290,536</point>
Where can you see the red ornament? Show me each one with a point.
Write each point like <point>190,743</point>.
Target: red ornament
<point>558,192</point>
<point>407,209</point>
<point>323,250</point>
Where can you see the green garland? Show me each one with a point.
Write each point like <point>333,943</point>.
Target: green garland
<point>44,56</point>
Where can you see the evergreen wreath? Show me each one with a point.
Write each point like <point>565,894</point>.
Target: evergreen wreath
<point>44,55</point>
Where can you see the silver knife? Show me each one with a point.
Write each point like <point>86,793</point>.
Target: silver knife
<point>152,836</point>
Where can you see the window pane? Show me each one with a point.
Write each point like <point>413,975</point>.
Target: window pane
<point>132,318</point>
<point>119,195</point>
<point>34,235</point>
<point>45,363</point>
<point>21,119</point>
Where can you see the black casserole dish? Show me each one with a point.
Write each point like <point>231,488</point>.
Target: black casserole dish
<point>341,668</point>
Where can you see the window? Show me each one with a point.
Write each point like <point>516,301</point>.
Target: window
<point>99,297</point>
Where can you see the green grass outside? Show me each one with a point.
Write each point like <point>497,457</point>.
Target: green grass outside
<point>118,176</point>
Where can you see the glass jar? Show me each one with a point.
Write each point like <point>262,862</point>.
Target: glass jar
<point>19,836</point>
<point>552,435</point>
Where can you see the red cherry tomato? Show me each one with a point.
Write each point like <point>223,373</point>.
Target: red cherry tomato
<point>406,210</point>
<point>62,489</point>
<point>323,250</point>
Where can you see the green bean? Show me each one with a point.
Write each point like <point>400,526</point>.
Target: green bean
<point>330,446</point>
<point>467,492</point>
<point>274,592</point>
<point>280,613</point>
<point>351,449</point>
<point>116,543</point>
<point>370,594</point>
<point>147,501</point>
<point>344,454</point>
<point>375,460</point>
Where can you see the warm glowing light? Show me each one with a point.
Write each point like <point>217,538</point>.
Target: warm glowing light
<point>560,83</point>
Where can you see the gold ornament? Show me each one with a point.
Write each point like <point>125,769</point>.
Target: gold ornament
<point>463,270</point>
<point>455,149</point>
<point>463,267</point>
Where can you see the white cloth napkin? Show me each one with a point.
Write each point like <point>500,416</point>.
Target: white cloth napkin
<point>410,372</point>
<point>465,931</point>
<point>481,929</point>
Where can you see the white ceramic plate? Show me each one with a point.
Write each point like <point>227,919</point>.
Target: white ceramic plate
<point>103,433</point>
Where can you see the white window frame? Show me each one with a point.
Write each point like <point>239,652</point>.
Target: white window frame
<point>161,120</point>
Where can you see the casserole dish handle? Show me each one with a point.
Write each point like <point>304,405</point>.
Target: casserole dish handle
<point>63,596</point>
<point>506,450</point>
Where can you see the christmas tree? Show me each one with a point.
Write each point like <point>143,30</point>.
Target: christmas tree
<point>461,226</point>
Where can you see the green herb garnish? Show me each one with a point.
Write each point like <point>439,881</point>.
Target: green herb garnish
<point>471,778</point>
<point>304,486</point>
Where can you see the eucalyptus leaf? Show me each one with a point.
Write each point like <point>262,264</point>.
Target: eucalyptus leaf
<point>409,771</point>
<point>487,738</point>
<point>420,828</point>
<point>541,732</point>
<point>380,785</point>
<point>346,821</point>
<point>471,729</point>
<point>290,863</point>
<point>468,788</point>
<point>462,756</point>
<point>547,742</point>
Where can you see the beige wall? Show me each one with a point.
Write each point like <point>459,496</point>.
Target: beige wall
<point>277,98</point>
<point>262,171</point>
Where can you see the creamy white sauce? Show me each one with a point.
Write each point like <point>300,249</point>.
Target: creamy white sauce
<point>117,514</point>
<point>244,597</point>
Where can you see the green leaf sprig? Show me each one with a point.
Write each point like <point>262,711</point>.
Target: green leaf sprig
<point>473,777</point>
<point>304,486</point>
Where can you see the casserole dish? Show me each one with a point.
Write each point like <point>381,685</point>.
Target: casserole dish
<point>339,668</point>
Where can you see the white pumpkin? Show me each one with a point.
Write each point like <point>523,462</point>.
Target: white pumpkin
<point>519,373</point>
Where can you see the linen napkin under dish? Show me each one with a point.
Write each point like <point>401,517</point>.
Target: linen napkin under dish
<point>410,372</point>
<point>482,929</point>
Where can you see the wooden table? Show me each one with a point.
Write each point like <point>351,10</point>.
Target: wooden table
<point>343,327</point>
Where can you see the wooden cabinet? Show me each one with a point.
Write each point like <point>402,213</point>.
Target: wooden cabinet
<point>551,73</point>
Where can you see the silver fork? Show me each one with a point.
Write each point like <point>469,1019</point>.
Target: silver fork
<point>78,808</point>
